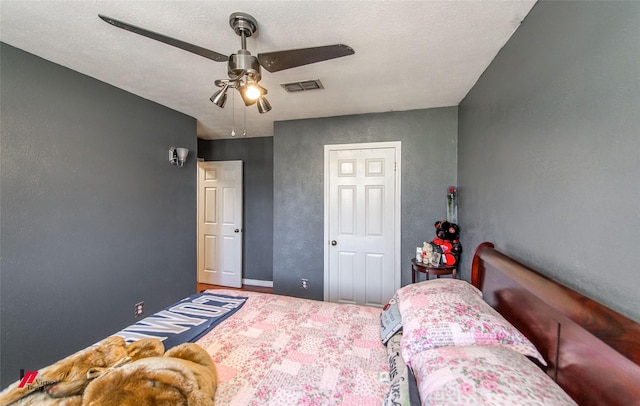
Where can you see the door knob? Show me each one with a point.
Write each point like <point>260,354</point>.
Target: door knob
<point>334,242</point>
<point>236,230</point>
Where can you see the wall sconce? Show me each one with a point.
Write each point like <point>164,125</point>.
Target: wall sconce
<point>177,156</point>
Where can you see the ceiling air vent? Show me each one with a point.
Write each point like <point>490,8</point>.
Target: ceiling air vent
<point>302,86</point>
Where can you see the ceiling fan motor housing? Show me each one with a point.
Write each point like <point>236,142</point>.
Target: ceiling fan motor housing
<point>244,63</point>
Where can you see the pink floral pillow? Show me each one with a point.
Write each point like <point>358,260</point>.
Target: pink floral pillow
<point>451,312</point>
<point>483,376</point>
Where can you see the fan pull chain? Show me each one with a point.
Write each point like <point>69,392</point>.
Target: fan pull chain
<point>233,114</point>
<point>244,130</point>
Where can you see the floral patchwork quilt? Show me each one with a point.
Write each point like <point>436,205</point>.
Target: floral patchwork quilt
<point>279,350</point>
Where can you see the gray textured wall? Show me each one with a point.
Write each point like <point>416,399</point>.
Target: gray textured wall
<point>257,157</point>
<point>429,148</point>
<point>94,218</point>
<point>549,148</point>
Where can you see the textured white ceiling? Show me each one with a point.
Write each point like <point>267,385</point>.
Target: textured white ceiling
<point>408,54</point>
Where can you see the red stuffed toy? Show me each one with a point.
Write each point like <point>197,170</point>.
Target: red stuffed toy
<point>448,238</point>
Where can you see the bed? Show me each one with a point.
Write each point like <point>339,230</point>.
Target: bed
<point>592,352</point>
<point>511,336</point>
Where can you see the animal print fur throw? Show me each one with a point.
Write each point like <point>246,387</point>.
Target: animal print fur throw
<point>115,373</point>
<point>184,376</point>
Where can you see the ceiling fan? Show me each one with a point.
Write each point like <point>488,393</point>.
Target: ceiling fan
<point>244,69</point>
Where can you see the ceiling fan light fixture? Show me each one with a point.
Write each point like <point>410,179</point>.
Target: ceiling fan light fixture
<point>252,91</point>
<point>263,105</point>
<point>247,101</point>
<point>219,98</point>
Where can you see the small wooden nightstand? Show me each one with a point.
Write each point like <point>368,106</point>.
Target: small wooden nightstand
<point>432,270</point>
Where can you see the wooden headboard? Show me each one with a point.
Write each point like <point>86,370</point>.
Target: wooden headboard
<point>592,351</point>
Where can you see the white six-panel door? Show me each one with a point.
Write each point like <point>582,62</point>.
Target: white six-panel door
<point>362,223</point>
<point>220,223</point>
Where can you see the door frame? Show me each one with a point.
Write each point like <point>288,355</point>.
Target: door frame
<point>397,146</point>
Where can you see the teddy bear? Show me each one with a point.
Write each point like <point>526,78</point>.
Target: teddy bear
<point>184,376</point>
<point>63,383</point>
<point>448,241</point>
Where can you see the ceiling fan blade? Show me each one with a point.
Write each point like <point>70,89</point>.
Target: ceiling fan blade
<point>167,40</point>
<point>281,60</point>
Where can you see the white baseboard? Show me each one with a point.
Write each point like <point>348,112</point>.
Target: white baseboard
<point>256,282</point>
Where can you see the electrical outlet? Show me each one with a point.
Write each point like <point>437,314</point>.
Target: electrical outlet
<point>138,309</point>
<point>304,283</point>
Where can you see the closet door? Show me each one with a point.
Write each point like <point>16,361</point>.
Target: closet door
<point>360,211</point>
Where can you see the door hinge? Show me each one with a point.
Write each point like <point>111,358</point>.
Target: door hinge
<point>394,166</point>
